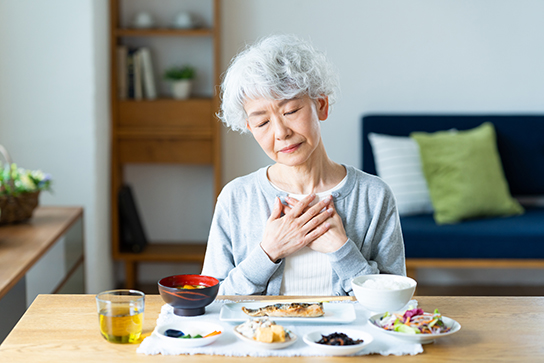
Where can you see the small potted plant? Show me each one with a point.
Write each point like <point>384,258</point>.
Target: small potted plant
<point>19,190</point>
<point>181,78</point>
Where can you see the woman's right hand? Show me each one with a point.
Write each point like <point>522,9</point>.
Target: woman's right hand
<point>298,226</point>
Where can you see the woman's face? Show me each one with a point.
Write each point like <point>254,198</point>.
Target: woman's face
<point>287,130</point>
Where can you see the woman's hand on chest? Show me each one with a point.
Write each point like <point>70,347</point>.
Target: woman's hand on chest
<point>334,238</point>
<point>291,228</point>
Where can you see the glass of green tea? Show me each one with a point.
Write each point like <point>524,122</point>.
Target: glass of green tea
<point>121,315</point>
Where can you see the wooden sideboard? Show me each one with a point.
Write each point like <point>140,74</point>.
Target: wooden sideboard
<point>42,255</point>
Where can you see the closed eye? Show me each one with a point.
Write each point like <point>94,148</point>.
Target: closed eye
<point>291,112</point>
<point>262,123</point>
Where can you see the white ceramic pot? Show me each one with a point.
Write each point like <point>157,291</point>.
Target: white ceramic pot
<point>184,20</point>
<point>143,20</point>
<point>181,90</point>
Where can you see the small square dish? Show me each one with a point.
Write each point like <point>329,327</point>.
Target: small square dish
<point>337,350</point>
<point>190,327</point>
<point>290,339</point>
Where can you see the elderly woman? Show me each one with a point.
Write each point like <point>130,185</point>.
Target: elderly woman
<point>304,225</point>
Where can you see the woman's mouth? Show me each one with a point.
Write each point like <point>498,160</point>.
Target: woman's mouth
<point>291,148</point>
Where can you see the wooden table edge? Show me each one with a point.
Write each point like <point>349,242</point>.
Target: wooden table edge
<point>75,214</point>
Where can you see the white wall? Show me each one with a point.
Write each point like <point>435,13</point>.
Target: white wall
<point>450,56</point>
<point>54,109</point>
<point>401,56</point>
<point>453,56</point>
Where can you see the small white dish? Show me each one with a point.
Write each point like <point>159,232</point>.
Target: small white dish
<point>312,338</point>
<point>192,328</point>
<point>290,339</point>
<point>416,338</point>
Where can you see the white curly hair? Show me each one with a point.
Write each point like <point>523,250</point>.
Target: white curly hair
<point>276,67</point>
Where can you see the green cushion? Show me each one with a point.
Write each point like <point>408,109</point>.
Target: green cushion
<point>464,173</point>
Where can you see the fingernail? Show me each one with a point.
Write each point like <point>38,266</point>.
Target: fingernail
<point>330,210</point>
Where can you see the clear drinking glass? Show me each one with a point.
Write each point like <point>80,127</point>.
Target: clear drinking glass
<point>121,315</point>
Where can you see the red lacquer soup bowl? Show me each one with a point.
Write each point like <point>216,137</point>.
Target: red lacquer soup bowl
<point>189,294</point>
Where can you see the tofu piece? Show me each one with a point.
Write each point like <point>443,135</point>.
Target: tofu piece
<point>264,335</point>
<point>278,333</point>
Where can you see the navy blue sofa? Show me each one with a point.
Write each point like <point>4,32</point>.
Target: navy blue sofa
<point>516,241</point>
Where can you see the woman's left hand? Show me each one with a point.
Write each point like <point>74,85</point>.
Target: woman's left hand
<point>331,240</point>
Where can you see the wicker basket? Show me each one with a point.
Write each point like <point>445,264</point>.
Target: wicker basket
<point>16,208</point>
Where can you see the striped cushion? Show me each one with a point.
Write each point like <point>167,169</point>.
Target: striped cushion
<point>398,163</point>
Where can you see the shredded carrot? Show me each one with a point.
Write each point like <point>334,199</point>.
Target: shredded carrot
<point>216,332</point>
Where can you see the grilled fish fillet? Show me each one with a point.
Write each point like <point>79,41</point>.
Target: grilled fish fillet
<point>303,310</point>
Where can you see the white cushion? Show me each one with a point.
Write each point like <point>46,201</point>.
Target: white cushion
<point>398,163</point>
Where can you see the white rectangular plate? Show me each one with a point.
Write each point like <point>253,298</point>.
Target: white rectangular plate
<point>334,313</point>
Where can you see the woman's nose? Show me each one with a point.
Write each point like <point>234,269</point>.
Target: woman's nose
<point>282,130</point>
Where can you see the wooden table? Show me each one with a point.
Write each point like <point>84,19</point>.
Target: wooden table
<point>64,328</point>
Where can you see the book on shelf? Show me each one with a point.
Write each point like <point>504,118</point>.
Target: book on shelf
<point>131,72</point>
<point>140,79</point>
<point>132,236</point>
<point>138,91</point>
<point>148,78</point>
<point>122,91</point>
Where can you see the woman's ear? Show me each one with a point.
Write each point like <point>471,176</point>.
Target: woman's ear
<point>248,126</point>
<point>322,106</point>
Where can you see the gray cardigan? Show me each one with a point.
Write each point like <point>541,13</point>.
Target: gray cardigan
<point>365,204</point>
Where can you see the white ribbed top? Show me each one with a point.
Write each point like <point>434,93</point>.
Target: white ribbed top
<point>308,272</point>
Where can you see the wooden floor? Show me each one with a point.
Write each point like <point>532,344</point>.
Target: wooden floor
<point>427,290</point>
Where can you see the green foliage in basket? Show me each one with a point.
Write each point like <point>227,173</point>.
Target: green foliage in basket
<point>179,73</point>
<point>14,181</point>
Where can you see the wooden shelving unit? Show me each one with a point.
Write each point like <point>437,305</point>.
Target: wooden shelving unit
<point>163,130</point>
<point>164,32</point>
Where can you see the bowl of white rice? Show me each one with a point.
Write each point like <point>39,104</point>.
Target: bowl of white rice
<point>381,293</point>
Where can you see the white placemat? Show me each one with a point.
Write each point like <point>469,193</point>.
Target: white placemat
<point>229,345</point>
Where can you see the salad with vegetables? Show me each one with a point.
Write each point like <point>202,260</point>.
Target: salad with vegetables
<point>413,321</point>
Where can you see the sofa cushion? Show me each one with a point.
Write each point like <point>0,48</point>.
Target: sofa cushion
<point>399,165</point>
<point>519,236</point>
<point>464,173</point>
